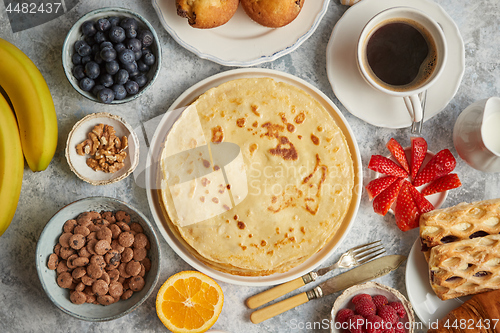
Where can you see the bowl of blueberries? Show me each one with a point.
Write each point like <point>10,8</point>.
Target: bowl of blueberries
<point>111,55</point>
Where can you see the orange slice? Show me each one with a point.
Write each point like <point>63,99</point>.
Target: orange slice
<point>189,302</point>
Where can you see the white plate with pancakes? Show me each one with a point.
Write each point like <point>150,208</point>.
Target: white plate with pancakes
<point>159,209</point>
<point>241,42</point>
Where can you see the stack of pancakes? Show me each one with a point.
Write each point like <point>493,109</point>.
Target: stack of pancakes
<point>256,177</point>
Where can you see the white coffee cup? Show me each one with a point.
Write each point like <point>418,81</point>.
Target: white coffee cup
<point>432,32</point>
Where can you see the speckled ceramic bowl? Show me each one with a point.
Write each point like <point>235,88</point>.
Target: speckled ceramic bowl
<point>75,34</point>
<point>372,288</point>
<point>60,297</point>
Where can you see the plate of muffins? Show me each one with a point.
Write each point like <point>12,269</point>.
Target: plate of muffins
<point>240,32</point>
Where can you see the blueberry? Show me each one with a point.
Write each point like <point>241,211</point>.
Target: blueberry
<point>96,89</point>
<point>120,47</point>
<point>121,77</point>
<point>92,69</point>
<point>82,48</point>
<point>142,66</point>
<point>126,56</point>
<point>95,49</point>
<point>103,24</point>
<point>116,34</point>
<point>108,54</point>
<point>79,72</point>
<point>90,40</point>
<point>134,44</point>
<point>98,59</point>
<point>86,59</point>
<point>141,80</point>
<point>131,33</point>
<point>128,23</point>
<point>149,59</point>
<point>119,90</point>
<point>86,84</point>
<point>131,68</point>
<point>105,44</point>
<point>132,87</point>
<point>88,28</point>
<point>76,59</point>
<point>100,37</point>
<point>112,67</point>
<point>138,55</point>
<point>146,37</point>
<point>114,21</point>
<point>106,95</point>
<point>106,80</point>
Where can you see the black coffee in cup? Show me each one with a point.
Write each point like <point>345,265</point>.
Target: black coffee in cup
<point>401,54</point>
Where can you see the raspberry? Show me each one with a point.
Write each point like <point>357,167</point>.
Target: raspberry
<point>359,297</point>
<point>399,328</point>
<point>379,300</point>
<point>400,309</point>
<point>388,314</point>
<point>365,308</point>
<point>374,324</point>
<point>356,324</point>
<point>389,330</point>
<point>343,315</point>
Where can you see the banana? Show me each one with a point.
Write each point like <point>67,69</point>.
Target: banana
<point>33,105</point>
<point>11,165</point>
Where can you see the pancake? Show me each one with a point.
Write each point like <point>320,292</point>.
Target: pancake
<point>256,177</point>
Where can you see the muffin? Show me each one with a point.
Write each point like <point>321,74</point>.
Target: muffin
<point>206,14</point>
<point>272,13</point>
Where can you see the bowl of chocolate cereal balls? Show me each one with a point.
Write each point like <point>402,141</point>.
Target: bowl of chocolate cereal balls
<point>98,259</point>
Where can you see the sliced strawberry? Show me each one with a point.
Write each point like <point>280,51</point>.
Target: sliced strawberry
<point>442,184</point>
<point>384,165</point>
<point>406,211</point>
<point>386,198</point>
<point>418,152</point>
<point>399,153</point>
<point>378,185</point>
<point>422,203</point>
<point>441,164</point>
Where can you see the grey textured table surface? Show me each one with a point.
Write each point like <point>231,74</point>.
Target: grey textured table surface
<point>24,307</point>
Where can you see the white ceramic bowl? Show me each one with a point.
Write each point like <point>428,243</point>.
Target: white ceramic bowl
<point>60,297</point>
<point>75,34</point>
<point>372,289</point>
<point>79,133</point>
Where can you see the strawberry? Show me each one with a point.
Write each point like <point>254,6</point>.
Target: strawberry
<point>384,165</point>
<point>378,185</point>
<point>418,152</point>
<point>441,164</point>
<point>441,184</point>
<point>406,211</point>
<point>422,203</point>
<point>399,154</point>
<point>384,200</point>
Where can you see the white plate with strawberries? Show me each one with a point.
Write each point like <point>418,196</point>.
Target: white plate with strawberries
<point>411,181</point>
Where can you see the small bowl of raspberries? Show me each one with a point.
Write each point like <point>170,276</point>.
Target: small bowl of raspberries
<point>372,308</point>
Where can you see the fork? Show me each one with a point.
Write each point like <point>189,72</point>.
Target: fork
<point>356,256</point>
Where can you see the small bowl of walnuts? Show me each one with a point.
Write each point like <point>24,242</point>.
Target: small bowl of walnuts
<point>98,259</point>
<point>102,149</point>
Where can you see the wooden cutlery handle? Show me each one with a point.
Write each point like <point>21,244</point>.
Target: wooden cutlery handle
<point>278,308</point>
<point>273,293</point>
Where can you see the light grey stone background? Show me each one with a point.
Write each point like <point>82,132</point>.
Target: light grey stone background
<point>24,307</point>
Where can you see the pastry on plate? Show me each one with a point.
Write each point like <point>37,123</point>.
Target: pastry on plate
<point>463,221</point>
<point>465,267</point>
<point>256,177</point>
<point>272,13</point>
<point>206,14</point>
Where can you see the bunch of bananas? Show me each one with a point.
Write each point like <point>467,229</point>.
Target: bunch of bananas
<point>36,135</point>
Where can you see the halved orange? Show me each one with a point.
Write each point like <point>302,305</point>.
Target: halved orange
<point>189,302</point>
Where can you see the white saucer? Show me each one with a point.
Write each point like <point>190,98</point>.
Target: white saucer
<point>364,101</point>
<point>428,307</point>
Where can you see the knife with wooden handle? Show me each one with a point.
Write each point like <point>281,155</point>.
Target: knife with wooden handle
<point>369,271</point>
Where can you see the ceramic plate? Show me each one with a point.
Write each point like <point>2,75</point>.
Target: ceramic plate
<point>241,42</point>
<point>156,145</point>
<point>428,307</point>
<point>376,107</point>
